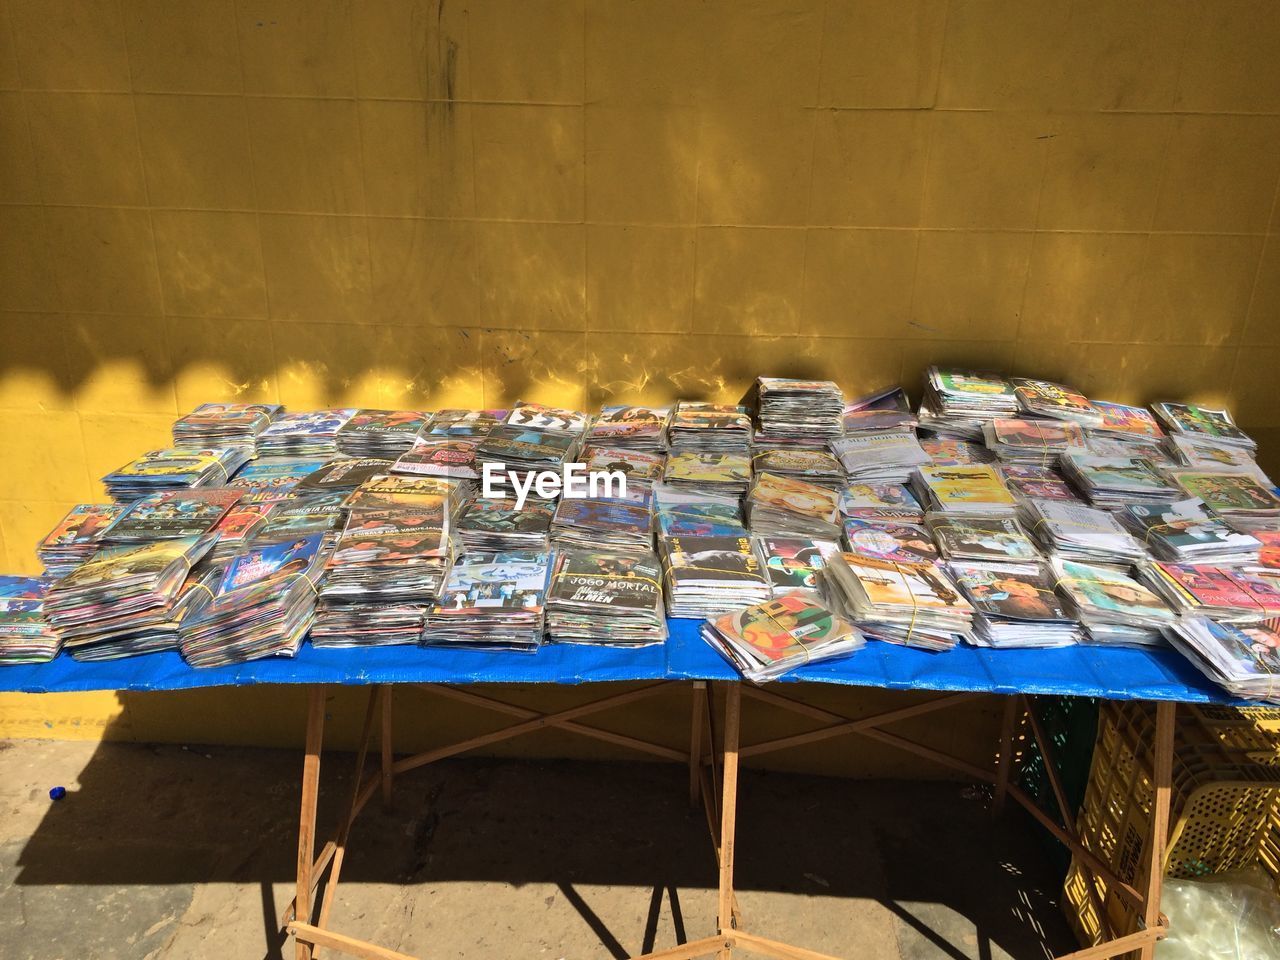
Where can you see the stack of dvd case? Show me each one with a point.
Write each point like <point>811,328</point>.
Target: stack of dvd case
<point>958,402</point>
<point>263,606</point>
<point>383,577</point>
<point>798,411</point>
<point>380,433</point>
<point>709,576</point>
<point>606,598</point>
<point>1112,482</point>
<point>766,640</point>
<point>1183,531</point>
<point>1112,606</point>
<point>634,428</point>
<point>1076,532</point>
<point>314,433</point>
<point>499,526</point>
<point>224,425</point>
<point>77,537</point>
<point>26,635</point>
<point>1014,607</point>
<point>780,506</point>
<point>492,602</point>
<point>916,605</point>
<point>621,524</point>
<point>1244,659</point>
<point>174,469</point>
<point>709,426</point>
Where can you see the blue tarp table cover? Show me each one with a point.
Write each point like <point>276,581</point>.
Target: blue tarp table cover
<point>1087,671</point>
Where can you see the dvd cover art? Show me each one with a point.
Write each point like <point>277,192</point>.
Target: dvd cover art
<point>903,542</point>
<point>794,563</point>
<point>268,561</point>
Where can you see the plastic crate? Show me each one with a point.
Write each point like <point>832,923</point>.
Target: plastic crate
<point>1224,809</point>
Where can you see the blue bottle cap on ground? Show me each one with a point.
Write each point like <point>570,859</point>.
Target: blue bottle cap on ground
<point>57,793</point>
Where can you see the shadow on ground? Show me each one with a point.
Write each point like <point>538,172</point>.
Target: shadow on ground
<point>173,852</point>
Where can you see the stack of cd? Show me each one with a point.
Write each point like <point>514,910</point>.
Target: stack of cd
<point>783,506</point>
<point>619,524</point>
<point>709,576</point>
<point>499,526</point>
<point>224,424</point>
<point>1112,482</point>
<point>915,605</point>
<point>1112,606</point>
<point>174,469</point>
<point>301,515</point>
<point>492,602</point>
<point>176,513</point>
<point>440,457</point>
<point>76,537</point>
<point>709,426</point>
<point>539,416</point>
<point>1028,482</point>
<point>1191,420</point>
<point>380,433</point>
<point>958,402</point>
<point>26,636</point>
<point>885,410</point>
<point>1223,593</point>
<point>383,577</point>
<point>1185,532</point>
<point>343,473</point>
<point>879,457</point>
<point>692,513</point>
<point>769,639</point>
<point>637,467</point>
<point>263,605</point>
<point>114,603</point>
<point>724,472</point>
<point>1014,607</point>
<point>971,489</point>
<point>635,428</point>
<point>1243,659</point>
<point>518,452</point>
<point>790,411</point>
<point>1042,398</point>
<point>1076,532</point>
<point>606,598</point>
<point>314,433</point>
<point>1032,441</point>
<point>950,452</point>
<point>470,424</point>
<point>275,474</point>
<point>813,466</point>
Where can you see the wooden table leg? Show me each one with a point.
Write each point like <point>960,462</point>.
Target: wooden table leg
<point>307,818</point>
<point>1006,755</point>
<point>1163,783</point>
<point>386,745</point>
<point>696,726</point>
<point>729,810</point>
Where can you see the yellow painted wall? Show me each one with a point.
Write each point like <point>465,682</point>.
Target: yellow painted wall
<point>427,203</point>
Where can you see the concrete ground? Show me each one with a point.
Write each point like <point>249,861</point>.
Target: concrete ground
<point>170,852</point>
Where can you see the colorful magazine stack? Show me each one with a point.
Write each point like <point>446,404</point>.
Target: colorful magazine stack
<point>121,601</point>
<point>709,426</point>
<point>709,576</point>
<point>606,599</point>
<point>497,526</point>
<point>798,411</point>
<point>263,606</point>
<point>77,536</point>
<point>26,635</point>
<point>310,434</point>
<point>383,577</point>
<point>780,506</point>
<point>633,428</point>
<point>622,524</point>
<point>224,425</point>
<point>1076,532</point>
<point>492,602</point>
<point>973,489</point>
<point>380,433</point>
<point>914,605</point>
<point>958,402</point>
<point>1112,482</point>
<point>1184,531</point>
<point>174,469</point>
<point>794,563</point>
<point>769,639</point>
<point>1112,606</point>
<point>1014,607</point>
<point>1244,658</point>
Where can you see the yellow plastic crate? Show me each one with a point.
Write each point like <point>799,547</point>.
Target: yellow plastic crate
<point>1224,811</point>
